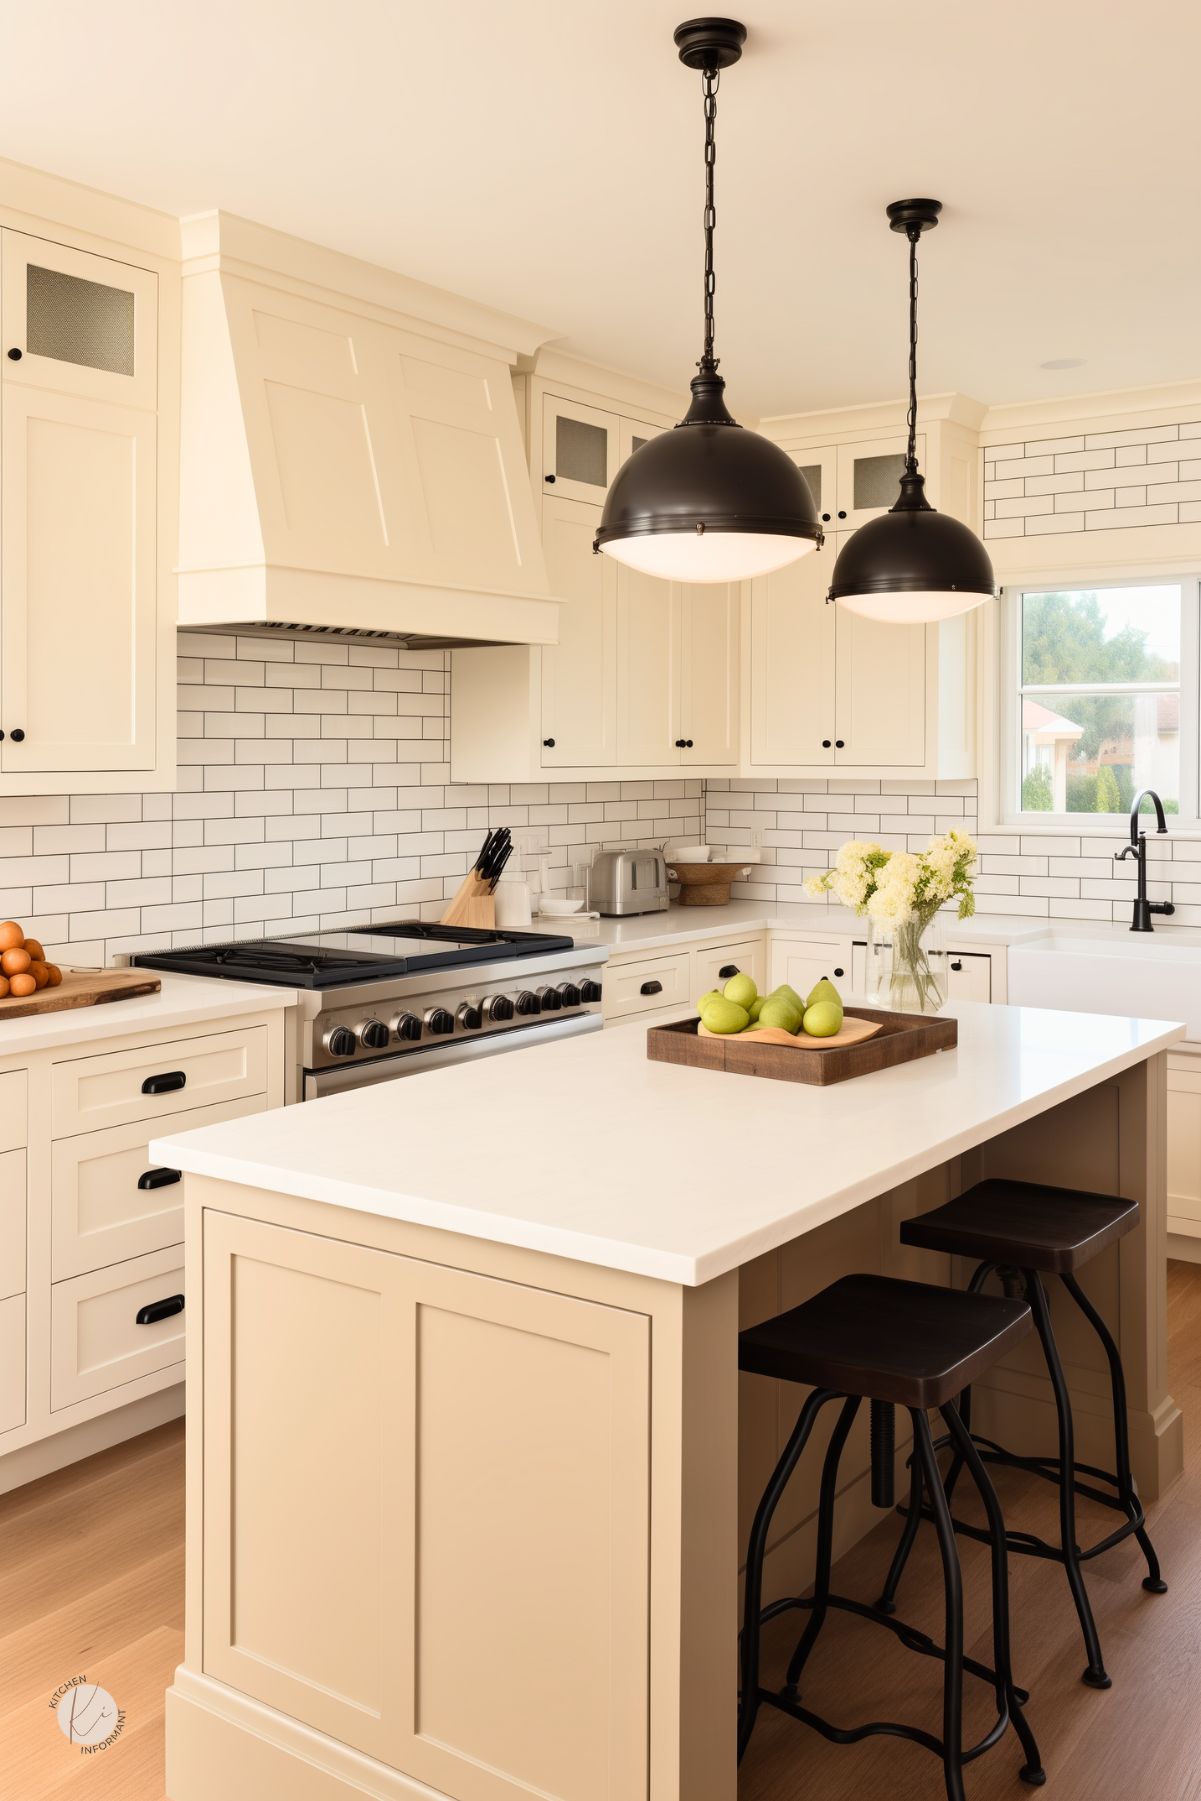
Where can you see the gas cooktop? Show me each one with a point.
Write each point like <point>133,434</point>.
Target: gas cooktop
<point>358,954</point>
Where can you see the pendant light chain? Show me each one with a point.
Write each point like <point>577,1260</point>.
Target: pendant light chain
<point>913,234</point>
<point>710,81</point>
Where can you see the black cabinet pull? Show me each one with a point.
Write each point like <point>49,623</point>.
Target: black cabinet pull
<point>679,743</point>
<point>651,988</point>
<point>727,970</point>
<point>159,1178</point>
<point>842,515</point>
<point>840,744</point>
<point>688,744</point>
<point>825,518</point>
<point>154,1311</point>
<point>549,743</point>
<point>840,972</point>
<point>18,736</point>
<point>15,354</point>
<point>825,744</point>
<point>548,478</point>
<point>167,1083</point>
<point>957,965</point>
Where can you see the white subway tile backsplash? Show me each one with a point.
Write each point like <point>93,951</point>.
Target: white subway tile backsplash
<point>1033,489</point>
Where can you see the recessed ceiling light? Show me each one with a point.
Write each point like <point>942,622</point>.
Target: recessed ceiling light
<point>1063,362</point>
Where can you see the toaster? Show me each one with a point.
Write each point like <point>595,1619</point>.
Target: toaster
<point>628,881</point>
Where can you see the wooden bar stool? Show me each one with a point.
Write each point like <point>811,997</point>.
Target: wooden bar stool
<point>912,1345</point>
<point>1023,1231</point>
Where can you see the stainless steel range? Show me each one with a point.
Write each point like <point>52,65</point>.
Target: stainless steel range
<point>382,1001</point>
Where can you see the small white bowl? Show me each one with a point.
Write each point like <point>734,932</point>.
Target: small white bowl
<point>555,907</point>
<point>688,853</point>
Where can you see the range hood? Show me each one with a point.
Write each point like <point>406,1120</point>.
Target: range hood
<point>351,458</point>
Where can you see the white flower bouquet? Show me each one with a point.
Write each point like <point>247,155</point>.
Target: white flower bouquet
<point>854,877</point>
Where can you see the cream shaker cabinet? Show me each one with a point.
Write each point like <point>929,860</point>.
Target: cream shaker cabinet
<point>85,661</point>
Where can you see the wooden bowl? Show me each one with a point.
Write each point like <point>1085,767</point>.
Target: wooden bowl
<point>705,884</point>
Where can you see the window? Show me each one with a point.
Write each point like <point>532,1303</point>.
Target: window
<point>1101,699</point>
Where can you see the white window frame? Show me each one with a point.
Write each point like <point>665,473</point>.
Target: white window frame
<point>1009,698</point>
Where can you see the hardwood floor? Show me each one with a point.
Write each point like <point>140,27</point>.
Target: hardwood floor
<point>91,1583</point>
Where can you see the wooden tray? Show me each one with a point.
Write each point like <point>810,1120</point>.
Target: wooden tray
<point>82,988</point>
<point>901,1038</point>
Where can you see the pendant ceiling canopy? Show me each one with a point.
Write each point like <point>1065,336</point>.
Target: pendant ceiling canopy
<point>708,501</point>
<point>913,564</point>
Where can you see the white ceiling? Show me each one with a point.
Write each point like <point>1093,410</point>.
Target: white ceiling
<point>544,156</point>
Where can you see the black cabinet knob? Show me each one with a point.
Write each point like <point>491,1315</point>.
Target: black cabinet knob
<point>18,737</point>
<point>528,1003</point>
<point>340,1041</point>
<point>839,744</point>
<point>157,1310</point>
<point>373,1035</point>
<point>590,991</point>
<point>840,972</point>
<point>167,1083</point>
<point>548,478</point>
<point>406,1026</point>
<point>957,964</point>
<point>439,1021</point>
<point>159,1178</point>
<point>651,988</point>
<point>15,354</point>
<point>727,970</point>
<point>688,744</point>
<point>825,518</point>
<point>825,744</point>
<point>842,515</point>
<point>679,743</point>
<point>549,743</point>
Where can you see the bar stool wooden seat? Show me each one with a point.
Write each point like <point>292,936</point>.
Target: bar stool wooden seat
<point>1023,1231</point>
<point>917,1346</point>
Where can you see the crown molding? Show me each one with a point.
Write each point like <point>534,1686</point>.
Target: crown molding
<point>1117,409</point>
<point>834,423</point>
<point>562,368</point>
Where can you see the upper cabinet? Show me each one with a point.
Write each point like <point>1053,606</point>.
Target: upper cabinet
<point>825,690</point>
<point>350,461</point>
<point>86,525</point>
<point>644,677</point>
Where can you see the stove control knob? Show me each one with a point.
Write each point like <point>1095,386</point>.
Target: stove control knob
<point>528,1003</point>
<point>569,994</point>
<point>372,1034</point>
<point>470,1018</point>
<point>406,1026</point>
<point>590,991</point>
<point>339,1041</point>
<point>498,1007</point>
<point>551,999</point>
<point>439,1021</point>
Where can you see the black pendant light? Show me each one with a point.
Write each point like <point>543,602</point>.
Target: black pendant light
<point>709,501</point>
<point>913,563</point>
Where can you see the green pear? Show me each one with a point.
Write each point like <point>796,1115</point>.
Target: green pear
<point>823,1018</point>
<point>781,1013</point>
<point>757,1005</point>
<point>787,993</point>
<point>741,990</point>
<point>724,1016</point>
<point>713,994</point>
<point>823,991</point>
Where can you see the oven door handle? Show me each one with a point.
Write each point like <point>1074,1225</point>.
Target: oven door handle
<point>318,1083</point>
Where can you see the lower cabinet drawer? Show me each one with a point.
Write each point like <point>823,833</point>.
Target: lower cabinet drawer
<point>109,1201</point>
<point>646,985</point>
<point>100,1332</point>
<point>709,967</point>
<point>12,1362</point>
<point>158,1081</point>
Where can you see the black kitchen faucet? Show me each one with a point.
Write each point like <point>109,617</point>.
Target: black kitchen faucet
<point>1137,848</point>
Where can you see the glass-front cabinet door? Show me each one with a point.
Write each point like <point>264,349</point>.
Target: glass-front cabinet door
<point>868,478</point>
<point>820,470</point>
<point>80,324</point>
<point>580,450</point>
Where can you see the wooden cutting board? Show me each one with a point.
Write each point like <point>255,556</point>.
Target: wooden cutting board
<point>82,988</point>
<point>852,1031</point>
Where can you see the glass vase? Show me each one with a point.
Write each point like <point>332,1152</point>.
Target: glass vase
<point>877,961</point>
<point>918,979</point>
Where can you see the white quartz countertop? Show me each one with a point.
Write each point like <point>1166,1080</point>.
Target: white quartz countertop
<point>681,925</point>
<point>182,1001</point>
<point>588,1150</point>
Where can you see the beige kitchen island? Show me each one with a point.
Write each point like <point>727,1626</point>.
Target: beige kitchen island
<point>469,1462</point>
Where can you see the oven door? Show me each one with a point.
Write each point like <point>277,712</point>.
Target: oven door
<point>392,1069</point>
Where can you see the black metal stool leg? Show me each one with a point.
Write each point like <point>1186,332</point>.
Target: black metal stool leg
<point>900,1557</point>
<point>979,1278</point>
<point>952,1693</point>
<point>1007,1697</point>
<point>748,1705</point>
<point>825,1545</point>
<point>1153,1582</point>
<point>1094,1675</point>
